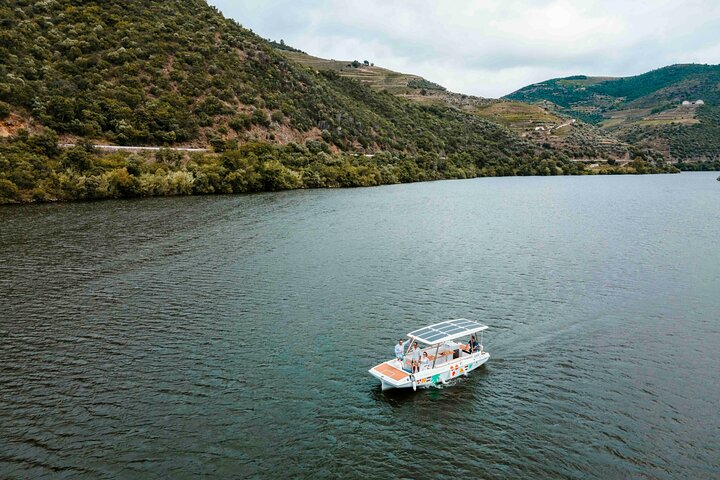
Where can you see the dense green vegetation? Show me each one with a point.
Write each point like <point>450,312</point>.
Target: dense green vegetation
<point>167,72</point>
<point>180,66</point>
<point>689,82</point>
<point>704,166</point>
<point>281,45</point>
<point>685,142</point>
<point>424,84</point>
<point>33,168</point>
<point>580,141</point>
<point>627,106</point>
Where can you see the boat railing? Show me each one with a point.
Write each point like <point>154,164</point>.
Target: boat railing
<point>446,353</point>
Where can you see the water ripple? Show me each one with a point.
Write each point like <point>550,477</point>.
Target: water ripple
<point>230,336</point>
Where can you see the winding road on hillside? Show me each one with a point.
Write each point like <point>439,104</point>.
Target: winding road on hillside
<point>114,148</point>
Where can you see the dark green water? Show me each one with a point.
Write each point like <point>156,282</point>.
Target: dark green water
<point>230,336</point>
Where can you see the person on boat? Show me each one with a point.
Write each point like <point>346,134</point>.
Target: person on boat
<point>415,358</point>
<point>425,362</point>
<point>473,344</point>
<point>399,351</point>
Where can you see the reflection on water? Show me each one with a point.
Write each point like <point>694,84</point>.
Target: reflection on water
<point>231,336</point>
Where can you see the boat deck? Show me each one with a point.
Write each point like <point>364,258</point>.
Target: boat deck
<point>392,372</point>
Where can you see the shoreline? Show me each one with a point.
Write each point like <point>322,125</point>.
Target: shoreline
<point>143,197</point>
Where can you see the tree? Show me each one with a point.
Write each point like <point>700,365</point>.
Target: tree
<point>639,165</point>
<point>277,116</point>
<point>218,144</point>
<point>122,184</point>
<point>8,191</point>
<point>78,159</point>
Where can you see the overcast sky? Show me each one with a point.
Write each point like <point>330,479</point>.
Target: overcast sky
<point>493,47</point>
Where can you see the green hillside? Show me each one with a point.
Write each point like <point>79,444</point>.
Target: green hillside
<point>646,109</point>
<point>544,128</point>
<point>377,78</point>
<point>166,72</point>
<point>177,72</point>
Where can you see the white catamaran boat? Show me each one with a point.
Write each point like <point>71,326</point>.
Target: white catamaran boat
<point>448,359</point>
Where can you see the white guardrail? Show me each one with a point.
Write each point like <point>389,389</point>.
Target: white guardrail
<point>137,149</point>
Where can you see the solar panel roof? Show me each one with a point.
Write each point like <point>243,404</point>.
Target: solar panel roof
<point>447,330</point>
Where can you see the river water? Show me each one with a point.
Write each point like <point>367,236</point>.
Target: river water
<point>231,335</point>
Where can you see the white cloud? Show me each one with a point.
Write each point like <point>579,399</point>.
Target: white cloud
<point>492,47</point>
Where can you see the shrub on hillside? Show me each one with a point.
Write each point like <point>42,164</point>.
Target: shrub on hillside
<point>4,110</point>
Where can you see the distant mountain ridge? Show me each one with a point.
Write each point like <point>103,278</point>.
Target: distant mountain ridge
<point>549,129</point>
<point>675,109</point>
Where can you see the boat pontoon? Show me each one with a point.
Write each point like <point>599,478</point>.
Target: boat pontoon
<point>448,358</point>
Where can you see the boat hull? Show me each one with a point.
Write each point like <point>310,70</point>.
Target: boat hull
<point>392,377</point>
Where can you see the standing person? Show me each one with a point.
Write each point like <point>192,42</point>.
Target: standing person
<point>399,351</point>
<point>415,358</point>
<point>425,362</point>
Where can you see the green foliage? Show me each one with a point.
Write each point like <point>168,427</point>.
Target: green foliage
<point>632,88</point>
<point>702,166</point>
<point>260,117</point>
<point>424,84</point>
<point>4,110</point>
<point>9,192</point>
<point>240,122</point>
<point>76,173</point>
<point>690,80</point>
<point>122,184</point>
<point>662,108</point>
<point>163,72</point>
<point>217,144</point>
<point>281,45</point>
<point>590,98</point>
<point>277,116</point>
<point>77,158</point>
<point>46,143</point>
<point>685,142</point>
<point>179,71</point>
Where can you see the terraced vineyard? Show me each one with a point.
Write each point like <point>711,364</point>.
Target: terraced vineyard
<point>671,108</point>
<point>377,78</point>
<point>545,126</point>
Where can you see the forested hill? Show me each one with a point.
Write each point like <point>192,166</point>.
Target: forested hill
<point>673,83</point>
<point>136,72</point>
<point>562,134</point>
<point>177,72</point>
<point>659,108</point>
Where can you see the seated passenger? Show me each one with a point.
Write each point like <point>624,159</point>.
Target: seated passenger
<point>425,362</point>
<point>474,346</point>
<point>415,357</point>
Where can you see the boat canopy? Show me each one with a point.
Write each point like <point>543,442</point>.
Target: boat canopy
<point>447,330</point>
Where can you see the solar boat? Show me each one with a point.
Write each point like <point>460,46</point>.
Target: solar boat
<point>449,351</point>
